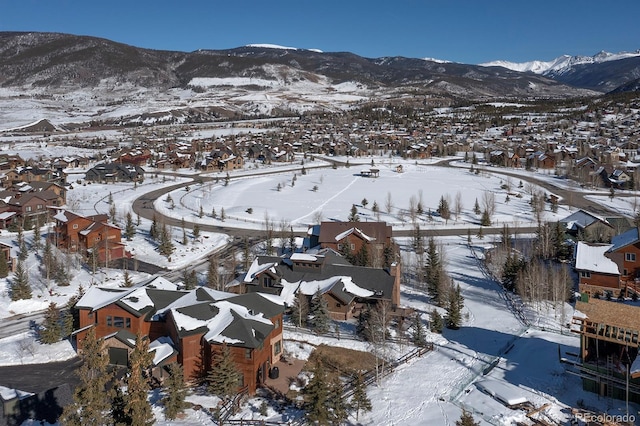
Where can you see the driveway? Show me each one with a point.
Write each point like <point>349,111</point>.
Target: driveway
<point>38,378</point>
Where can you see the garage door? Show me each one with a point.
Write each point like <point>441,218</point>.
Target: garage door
<point>118,356</point>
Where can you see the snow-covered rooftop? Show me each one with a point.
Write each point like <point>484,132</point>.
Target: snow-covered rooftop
<point>591,258</point>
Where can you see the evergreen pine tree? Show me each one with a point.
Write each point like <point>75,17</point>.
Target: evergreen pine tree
<point>362,258</point>
<point>92,399</point>
<point>189,279</point>
<point>37,237</point>
<point>466,419</point>
<point>223,378</point>
<point>127,282</point>
<point>20,287</point>
<point>166,245</point>
<point>153,230</point>
<point>67,319</point>
<point>61,274</point>
<point>476,207</point>
<point>454,308</point>
<point>338,406</point>
<point>360,401</point>
<point>213,213</point>
<point>375,207</point>
<point>47,260</point>
<point>418,332</point>
<point>292,241</point>
<point>353,214</point>
<point>480,233</point>
<point>137,406</point>
<point>4,266</point>
<point>433,270</point>
<point>443,208</point>
<point>437,323</point>
<point>223,216</point>
<point>196,231</point>
<point>118,408</point>
<point>319,313</point>
<point>175,392</point>
<point>316,395</point>
<point>22,247</point>
<point>345,251</point>
<point>51,331</point>
<point>129,229</point>
<point>486,219</point>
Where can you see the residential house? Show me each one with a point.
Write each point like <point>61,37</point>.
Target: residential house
<point>115,172</point>
<point>33,174</point>
<point>5,250</point>
<point>588,226</point>
<point>613,268</point>
<point>346,288</point>
<point>88,235</point>
<point>353,237</point>
<point>187,327</point>
<point>608,361</point>
<point>597,273</point>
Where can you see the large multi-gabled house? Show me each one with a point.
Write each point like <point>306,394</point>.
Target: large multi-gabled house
<point>88,235</point>
<point>194,324</point>
<point>115,172</point>
<point>346,288</point>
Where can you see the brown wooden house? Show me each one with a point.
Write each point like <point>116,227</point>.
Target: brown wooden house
<point>196,324</point>
<point>84,234</point>
<point>609,338</point>
<point>353,236</point>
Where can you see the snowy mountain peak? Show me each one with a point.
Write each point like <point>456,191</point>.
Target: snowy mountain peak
<point>271,46</point>
<point>276,46</point>
<point>561,63</point>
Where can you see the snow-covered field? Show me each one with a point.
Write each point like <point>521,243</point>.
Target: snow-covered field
<point>431,390</point>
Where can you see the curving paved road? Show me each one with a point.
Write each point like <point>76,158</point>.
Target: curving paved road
<point>143,206</point>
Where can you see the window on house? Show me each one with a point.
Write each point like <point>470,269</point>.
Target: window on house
<point>630,257</point>
<point>27,208</point>
<point>118,322</point>
<point>277,324</point>
<point>277,348</point>
<point>39,206</point>
<point>339,247</point>
<point>267,281</point>
<point>127,322</point>
<point>585,274</point>
<point>353,246</point>
<point>75,226</point>
<point>247,353</point>
<point>109,321</point>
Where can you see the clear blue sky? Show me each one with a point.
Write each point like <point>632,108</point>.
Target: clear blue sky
<point>467,31</point>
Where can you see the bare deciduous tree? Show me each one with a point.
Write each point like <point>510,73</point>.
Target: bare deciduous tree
<point>457,205</point>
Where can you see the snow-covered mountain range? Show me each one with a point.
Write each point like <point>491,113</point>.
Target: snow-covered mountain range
<point>560,64</point>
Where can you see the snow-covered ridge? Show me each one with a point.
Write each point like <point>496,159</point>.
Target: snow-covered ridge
<point>439,61</point>
<point>276,46</point>
<point>560,63</point>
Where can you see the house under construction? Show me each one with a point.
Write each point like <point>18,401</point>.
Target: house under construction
<point>609,337</point>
